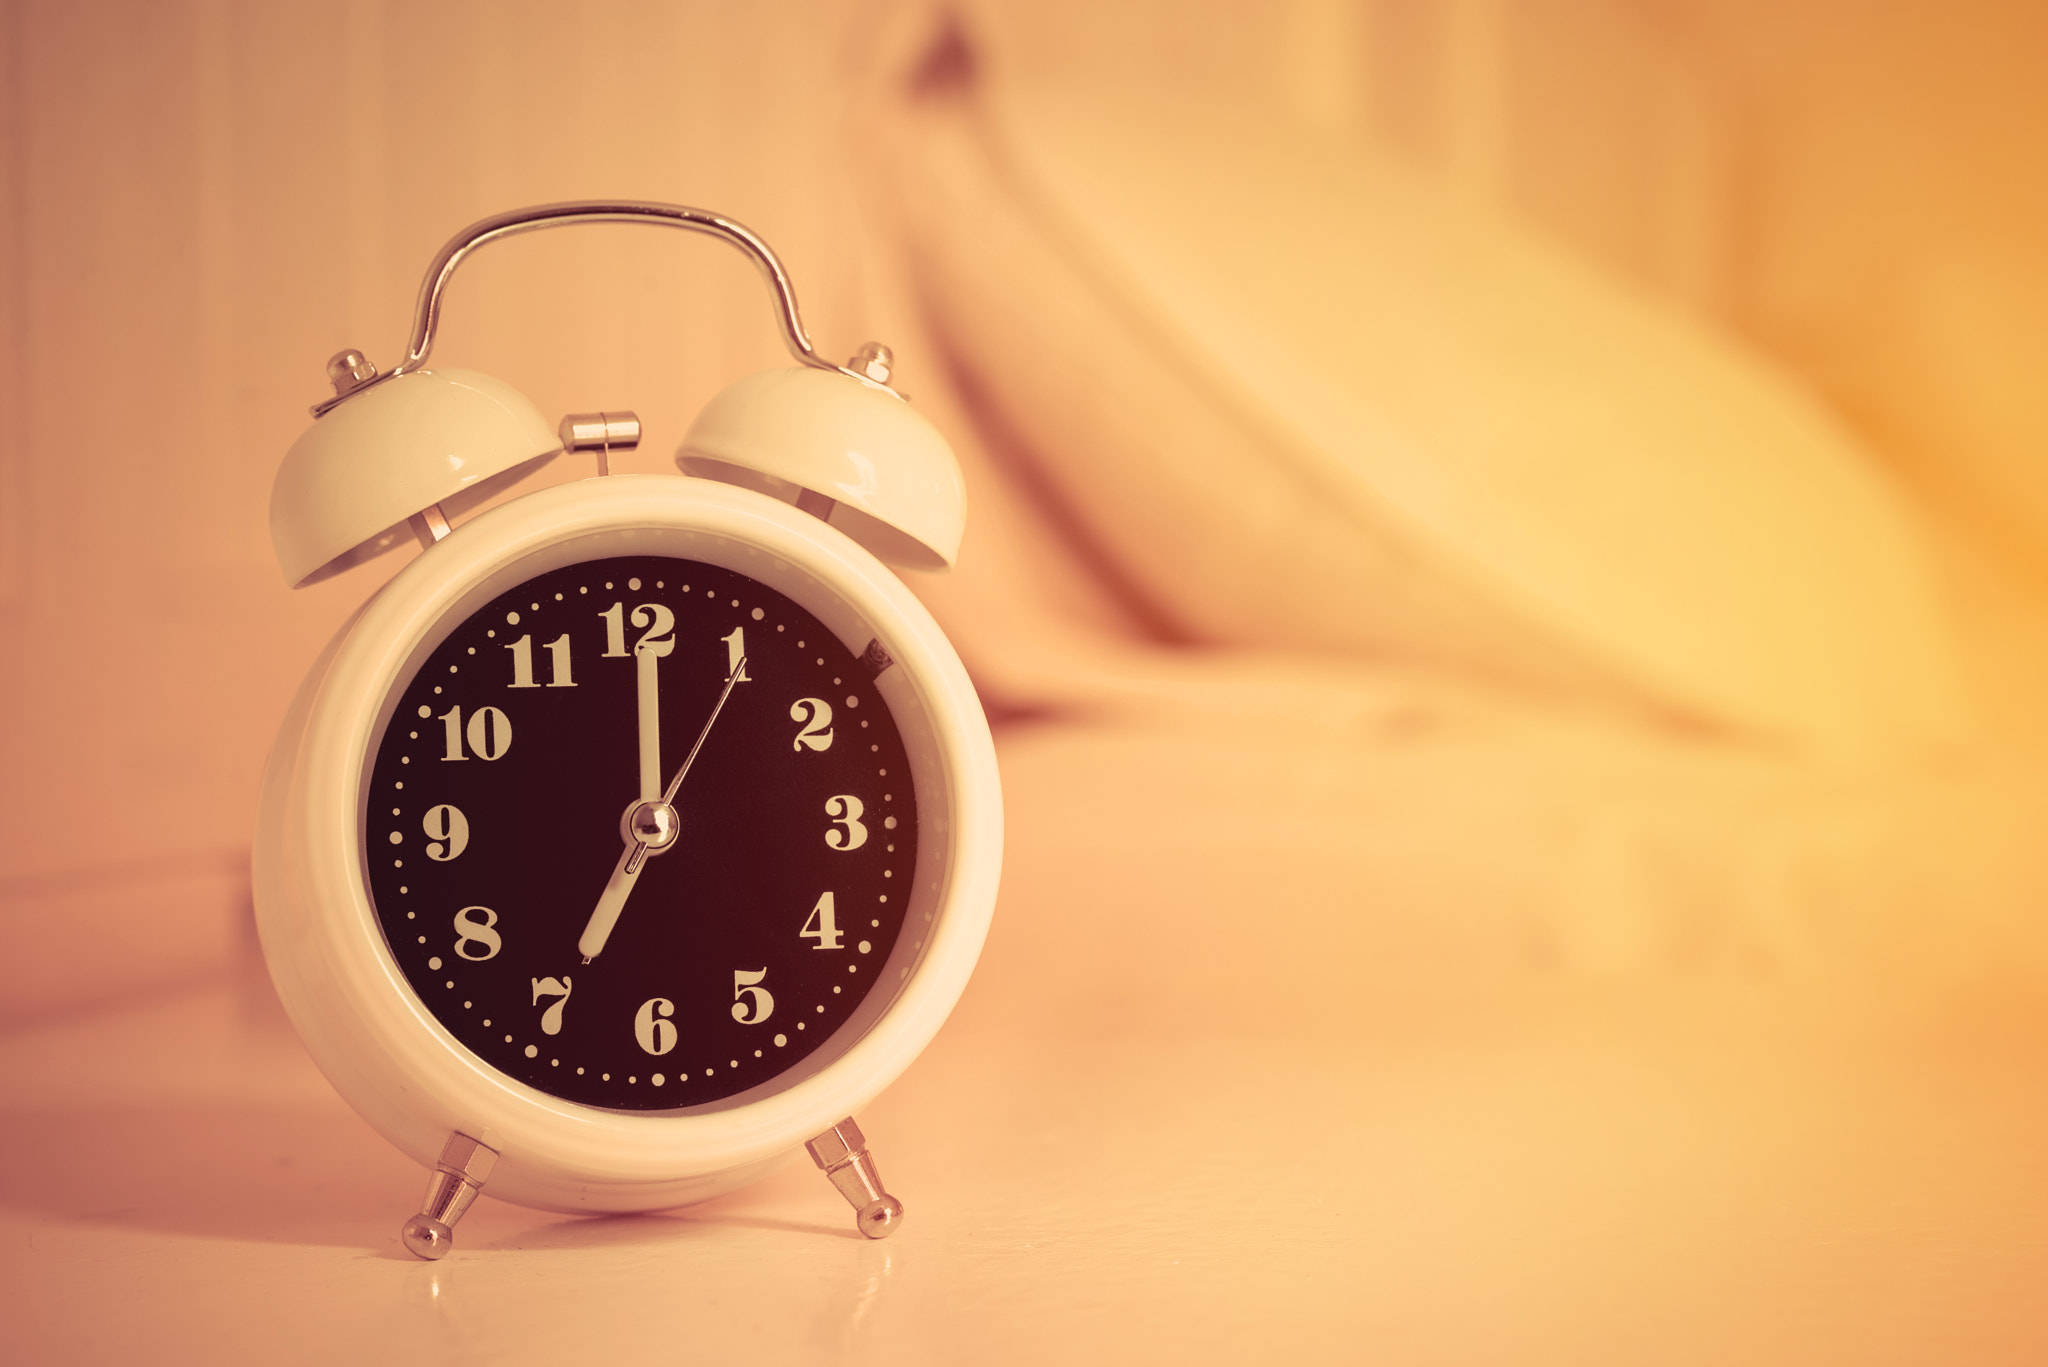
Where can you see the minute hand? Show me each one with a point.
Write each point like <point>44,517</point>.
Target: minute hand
<point>650,829</point>
<point>739,672</point>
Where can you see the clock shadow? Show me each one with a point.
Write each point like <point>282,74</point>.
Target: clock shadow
<point>679,1226</point>
<point>268,1175</point>
<point>290,1176</point>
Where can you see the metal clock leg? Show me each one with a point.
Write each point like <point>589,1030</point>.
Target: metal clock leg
<point>457,1179</point>
<point>842,1152</point>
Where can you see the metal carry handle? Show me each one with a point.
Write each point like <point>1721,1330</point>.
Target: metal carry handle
<point>427,313</point>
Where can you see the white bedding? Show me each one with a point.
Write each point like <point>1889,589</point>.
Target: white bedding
<point>1383,618</point>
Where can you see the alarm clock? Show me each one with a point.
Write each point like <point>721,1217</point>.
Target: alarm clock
<point>642,829</point>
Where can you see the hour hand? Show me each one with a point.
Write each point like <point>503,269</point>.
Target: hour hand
<point>651,828</point>
<point>610,903</point>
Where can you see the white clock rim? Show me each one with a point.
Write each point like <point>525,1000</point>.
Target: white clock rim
<point>363,1023</point>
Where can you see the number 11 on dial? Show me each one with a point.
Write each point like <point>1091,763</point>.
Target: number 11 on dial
<point>559,674</point>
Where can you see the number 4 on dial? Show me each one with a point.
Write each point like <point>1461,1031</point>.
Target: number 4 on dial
<point>823,926</point>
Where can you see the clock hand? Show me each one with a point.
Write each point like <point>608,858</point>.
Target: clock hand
<point>739,673</point>
<point>648,663</point>
<point>612,900</point>
<point>651,827</point>
<point>658,825</point>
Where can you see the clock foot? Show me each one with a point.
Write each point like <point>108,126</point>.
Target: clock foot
<point>457,1179</point>
<point>842,1153</point>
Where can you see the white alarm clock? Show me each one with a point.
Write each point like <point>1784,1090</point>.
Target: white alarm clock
<point>644,828</point>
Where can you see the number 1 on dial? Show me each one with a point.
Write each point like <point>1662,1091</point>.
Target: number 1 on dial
<point>736,653</point>
<point>615,630</point>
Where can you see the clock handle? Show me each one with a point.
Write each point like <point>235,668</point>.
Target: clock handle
<point>842,1152</point>
<point>352,374</point>
<point>457,1179</point>
<point>427,313</point>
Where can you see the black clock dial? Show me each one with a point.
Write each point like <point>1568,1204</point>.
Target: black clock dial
<point>766,898</point>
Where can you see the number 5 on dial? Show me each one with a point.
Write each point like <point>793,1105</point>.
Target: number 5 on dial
<point>744,984</point>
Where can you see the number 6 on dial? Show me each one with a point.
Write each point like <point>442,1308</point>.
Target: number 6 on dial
<point>651,1026</point>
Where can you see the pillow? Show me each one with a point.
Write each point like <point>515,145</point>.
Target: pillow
<point>1300,400</point>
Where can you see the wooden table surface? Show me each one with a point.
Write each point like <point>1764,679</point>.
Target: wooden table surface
<point>1109,1156</point>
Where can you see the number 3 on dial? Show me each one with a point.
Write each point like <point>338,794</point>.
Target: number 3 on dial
<point>845,810</point>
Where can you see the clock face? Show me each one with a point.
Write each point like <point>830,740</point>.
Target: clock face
<point>641,833</point>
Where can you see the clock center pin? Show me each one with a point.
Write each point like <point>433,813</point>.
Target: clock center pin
<point>653,825</point>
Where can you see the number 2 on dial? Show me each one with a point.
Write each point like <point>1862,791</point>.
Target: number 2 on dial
<point>816,715</point>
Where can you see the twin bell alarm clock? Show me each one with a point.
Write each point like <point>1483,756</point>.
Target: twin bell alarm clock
<point>642,829</point>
